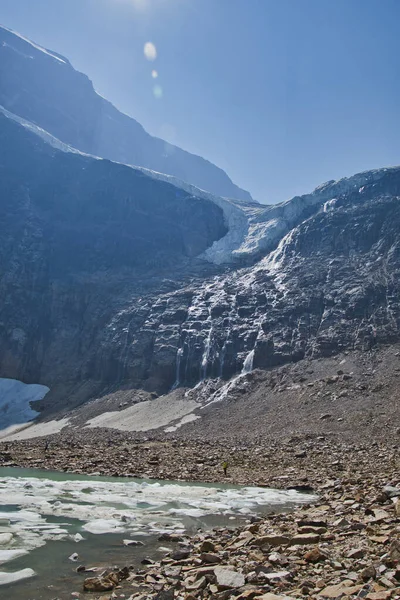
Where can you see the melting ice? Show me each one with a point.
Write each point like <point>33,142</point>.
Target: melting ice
<point>37,510</point>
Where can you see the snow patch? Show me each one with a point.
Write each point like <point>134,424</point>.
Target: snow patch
<point>188,419</point>
<point>43,134</point>
<point>151,414</point>
<point>15,399</point>
<point>35,430</point>
<point>36,46</point>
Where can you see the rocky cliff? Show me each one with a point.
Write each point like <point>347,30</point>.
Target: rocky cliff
<point>81,239</point>
<point>43,87</point>
<point>330,285</point>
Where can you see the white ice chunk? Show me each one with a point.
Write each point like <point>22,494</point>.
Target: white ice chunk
<point>6,578</point>
<point>7,555</point>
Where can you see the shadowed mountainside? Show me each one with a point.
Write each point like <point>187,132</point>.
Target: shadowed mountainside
<point>43,87</point>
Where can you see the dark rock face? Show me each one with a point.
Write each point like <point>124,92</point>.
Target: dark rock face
<point>45,89</point>
<point>332,284</point>
<point>80,239</point>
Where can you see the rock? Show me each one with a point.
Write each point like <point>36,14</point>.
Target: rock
<point>244,539</point>
<point>132,543</point>
<point>315,555</point>
<point>165,595</point>
<point>356,553</point>
<point>394,550</point>
<point>180,554</point>
<point>380,515</point>
<point>304,539</point>
<point>312,523</point>
<point>391,492</point>
<point>207,546</point>
<point>368,573</point>
<point>198,584</point>
<point>100,584</point>
<point>227,578</point>
<point>207,557</point>
<point>272,540</point>
<point>316,530</point>
<point>249,594</point>
<point>274,597</point>
<point>339,590</point>
<point>300,454</point>
<point>277,575</point>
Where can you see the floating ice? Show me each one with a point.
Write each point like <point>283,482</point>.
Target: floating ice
<point>127,507</point>
<point>6,578</point>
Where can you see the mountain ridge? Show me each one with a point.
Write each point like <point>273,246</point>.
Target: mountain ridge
<point>43,87</point>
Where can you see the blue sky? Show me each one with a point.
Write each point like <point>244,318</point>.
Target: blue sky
<point>282,94</point>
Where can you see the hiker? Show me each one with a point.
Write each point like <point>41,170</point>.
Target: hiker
<point>46,446</point>
<point>225,467</point>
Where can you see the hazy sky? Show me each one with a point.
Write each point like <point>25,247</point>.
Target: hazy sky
<point>282,94</point>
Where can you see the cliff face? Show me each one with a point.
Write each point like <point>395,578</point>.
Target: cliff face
<point>332,284</point>
<point>43,87</point>
<point>79,238</point>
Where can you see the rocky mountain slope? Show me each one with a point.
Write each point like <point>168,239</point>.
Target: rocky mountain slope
<point>79,239</point>
<point>117,278</point>
<point>331,284</point>
<point>43,87</point>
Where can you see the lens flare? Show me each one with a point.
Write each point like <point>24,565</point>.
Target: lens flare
<point>157,91</point>
<point>154,74</point>
<point>150,51</point>
<point>140,5</point>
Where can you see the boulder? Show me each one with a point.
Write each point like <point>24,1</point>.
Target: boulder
<point>100,584</point>
<point>227,578</point>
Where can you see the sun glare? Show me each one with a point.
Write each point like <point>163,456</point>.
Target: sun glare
<point>150,51</point>
<point>140,4</point>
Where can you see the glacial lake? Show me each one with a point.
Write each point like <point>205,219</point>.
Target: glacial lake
<point>46,517</point>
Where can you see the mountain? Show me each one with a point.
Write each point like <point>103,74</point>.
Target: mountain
<point>117,278</point>
<point>43,87</point>
<point>80,238</point>
<point>120,283</point>
<point>331,284</point>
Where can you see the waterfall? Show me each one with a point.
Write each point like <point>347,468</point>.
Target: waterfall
<point>179,355</point>
<point>206,351</point>
<point>223,351</point>
<point>248,363</point>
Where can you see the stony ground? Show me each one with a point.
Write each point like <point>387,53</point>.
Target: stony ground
<point>331,426</point>
<point>345,546</point>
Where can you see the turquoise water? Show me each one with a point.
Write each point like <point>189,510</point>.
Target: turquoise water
<point>51,516</point>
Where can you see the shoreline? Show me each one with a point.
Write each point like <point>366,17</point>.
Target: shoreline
<point>300,461</point>
<point>347,545</point>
